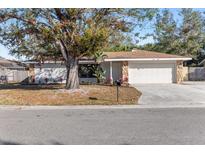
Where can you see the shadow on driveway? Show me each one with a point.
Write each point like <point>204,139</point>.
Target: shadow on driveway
<point>2,142</point>
<point>51,142</point>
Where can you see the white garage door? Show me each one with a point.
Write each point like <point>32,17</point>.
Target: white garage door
<point>151,72</point>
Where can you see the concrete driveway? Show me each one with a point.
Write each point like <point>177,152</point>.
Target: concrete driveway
<point>188,93</point>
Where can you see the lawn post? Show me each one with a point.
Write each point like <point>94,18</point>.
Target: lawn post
<point>117,93</point>
<point>118,83</point>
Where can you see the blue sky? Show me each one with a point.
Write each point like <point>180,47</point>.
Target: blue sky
<point>4,52</point>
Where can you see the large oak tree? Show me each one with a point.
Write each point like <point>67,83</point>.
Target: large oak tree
<point>66,33</point>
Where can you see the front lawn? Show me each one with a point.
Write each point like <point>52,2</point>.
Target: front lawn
<point>15,94</point>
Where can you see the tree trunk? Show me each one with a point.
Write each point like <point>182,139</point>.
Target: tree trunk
<point>72,81</point>
<point>98,80</point>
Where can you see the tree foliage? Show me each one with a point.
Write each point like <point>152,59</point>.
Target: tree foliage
<point>99,73</point>
<point>165,32</point>
<point>66,33</point>
<point>183,38</point>
<point>192,34</point>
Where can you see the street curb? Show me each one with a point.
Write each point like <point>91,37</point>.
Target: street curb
<point>11,107</point>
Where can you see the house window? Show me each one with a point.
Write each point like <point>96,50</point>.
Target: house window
<point>86,70</point>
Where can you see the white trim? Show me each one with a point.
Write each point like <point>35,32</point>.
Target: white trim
<point>148,59</point>
<point>61,62</point>
<point>12,67</point>
<point>45,62</point>
<point>115,59</point>
<point>111,77</point>
<point>87,62</point>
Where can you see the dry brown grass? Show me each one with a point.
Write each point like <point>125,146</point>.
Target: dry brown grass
<point>55,95</point>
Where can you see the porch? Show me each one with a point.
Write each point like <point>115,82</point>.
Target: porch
<point>117,70</point>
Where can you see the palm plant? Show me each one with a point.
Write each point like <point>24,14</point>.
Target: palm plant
<point>99,73</point>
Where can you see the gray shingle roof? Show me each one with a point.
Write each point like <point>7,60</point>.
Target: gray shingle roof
<point>10,63</point>
<point>139,54</point>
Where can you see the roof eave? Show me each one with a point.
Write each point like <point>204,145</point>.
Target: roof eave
<point>147,59</point>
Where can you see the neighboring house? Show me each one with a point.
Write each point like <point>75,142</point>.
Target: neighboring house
<point>134,67</point>
<point>12,71</point>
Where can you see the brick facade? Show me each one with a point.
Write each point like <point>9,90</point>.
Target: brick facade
<point>179,72</point>
<point>125,72</point>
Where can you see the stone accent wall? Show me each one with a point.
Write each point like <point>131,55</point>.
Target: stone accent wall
<point>125,72</point>
<point>179,72</point>
<point>185,73</point>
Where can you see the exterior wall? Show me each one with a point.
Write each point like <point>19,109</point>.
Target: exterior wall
<point>56,73</point>
<point>19,75</point>
<point>116,70</point>
<point>2,71</point>
<point>49,73</point>
<point>10,75</point>
<point>14,75</point>
<point>52,73</point>
<point>185,73</point>
<point>179,72</point>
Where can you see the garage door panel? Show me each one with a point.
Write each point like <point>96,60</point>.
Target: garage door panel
<point>150,72</point>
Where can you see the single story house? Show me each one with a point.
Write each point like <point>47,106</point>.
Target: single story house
<point>134,67</point>
<point>12,71</point>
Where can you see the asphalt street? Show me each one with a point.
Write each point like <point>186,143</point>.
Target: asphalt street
<point>103,126</point>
